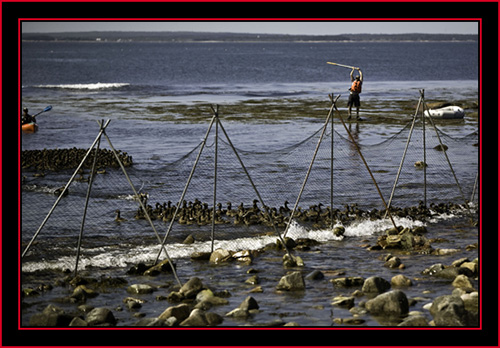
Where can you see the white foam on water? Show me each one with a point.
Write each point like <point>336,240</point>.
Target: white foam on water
<point>86,86</point>
<point>126,255</point>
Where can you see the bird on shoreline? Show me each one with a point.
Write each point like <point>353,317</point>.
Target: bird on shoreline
<point>118,218</point>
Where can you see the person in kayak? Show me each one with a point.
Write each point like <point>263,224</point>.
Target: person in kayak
<point>26,117</point>
<point>355,90</point>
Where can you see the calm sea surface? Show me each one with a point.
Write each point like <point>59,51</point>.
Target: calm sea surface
<point>271,96</point>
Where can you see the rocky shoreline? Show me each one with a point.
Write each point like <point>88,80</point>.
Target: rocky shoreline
<point>198,304</point>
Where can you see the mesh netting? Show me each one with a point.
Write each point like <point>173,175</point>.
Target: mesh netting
<point>278,175</point>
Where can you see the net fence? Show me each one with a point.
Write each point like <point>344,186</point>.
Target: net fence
<point>117,233</point>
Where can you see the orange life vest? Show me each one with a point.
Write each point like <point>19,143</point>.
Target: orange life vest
<point>356,86</point>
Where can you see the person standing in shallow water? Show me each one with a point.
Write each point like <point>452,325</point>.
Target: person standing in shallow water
<point>355,90</point>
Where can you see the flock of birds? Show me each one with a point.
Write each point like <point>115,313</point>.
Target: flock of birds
<point>200,213</point>
<point>59,159</point>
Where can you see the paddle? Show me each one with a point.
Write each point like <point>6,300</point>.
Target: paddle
<point>48,108</point>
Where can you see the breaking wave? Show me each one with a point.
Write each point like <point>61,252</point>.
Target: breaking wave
<point>124,256</point>
<point>86,86</point>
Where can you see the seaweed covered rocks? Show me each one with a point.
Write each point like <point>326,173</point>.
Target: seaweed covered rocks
<point>405,239</point>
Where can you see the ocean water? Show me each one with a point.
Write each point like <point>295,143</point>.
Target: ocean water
<point>271,97</point>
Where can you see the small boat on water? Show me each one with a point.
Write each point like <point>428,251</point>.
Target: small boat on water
<point>448,112</point>
<point>31,127</point>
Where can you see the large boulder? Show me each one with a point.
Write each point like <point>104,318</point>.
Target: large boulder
<point>393,303</point>
<point>191,287</point>
<point>405,239</point>
<point>292,282</point>
<point>100,317</point>
<point>51,316</point>
<point>180,312</point>
<point>449,310</point>
<point>375,285</point>
<point>246,308</point>
<point>197,317</point>
<point>220,255</point>
<point>401,280</point>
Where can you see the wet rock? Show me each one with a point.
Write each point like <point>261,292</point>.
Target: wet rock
<point>189,240</point>
<point>405,239</point>
<point>85,308</point>
<point>401,280</point>
<point>51,316</point>
<point>100,317</point>
<point>306,243</point>
<point>253,280</point>
<point>77,322</point>
<point>449,251</point>
<point>460,262</point>
<point>197,317</point>
<point>452,272</point>
<point>151,322</point>
<point>180,312</point>
<point>162,267</point>
<point>441,147</point>
<point>347,281</point>
<point>462,281</point>
<point>220,255</point>
<point>191,287</point>
<point>204,294</point>
<point>292,282</point>
<point>349,321</point>
<point>293,261</point>
<point>338,231</point>
<point>245,309</point>
<point>433,269</point>
<point>471,301</point>
<point>257,289</point>
<point>473,266</point>
<point>238,313</point>
<point>213,319</point>
<point>82,293</point>
<point>393,262</point>
<point>133,303</point>
<point>243,256</point>
<point>289,243</point>
<point>175,296</point>
<point>140,289</point>
<point>315,275</point>
<point>449,310</point>
<point>375,285</point>
<point>392,303</point>
<point>249,303</point>
<point>343,301</point>
<point>416,319</point>
<point>201,256</point>
<point>206,299</point>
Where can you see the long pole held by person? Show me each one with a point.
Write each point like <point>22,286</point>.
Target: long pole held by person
<point>344,66</point>
<point>354,90</point>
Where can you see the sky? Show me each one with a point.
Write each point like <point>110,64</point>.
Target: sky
<point>271,27</point>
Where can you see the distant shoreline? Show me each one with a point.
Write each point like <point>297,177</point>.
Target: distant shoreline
<point>199,37</point>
